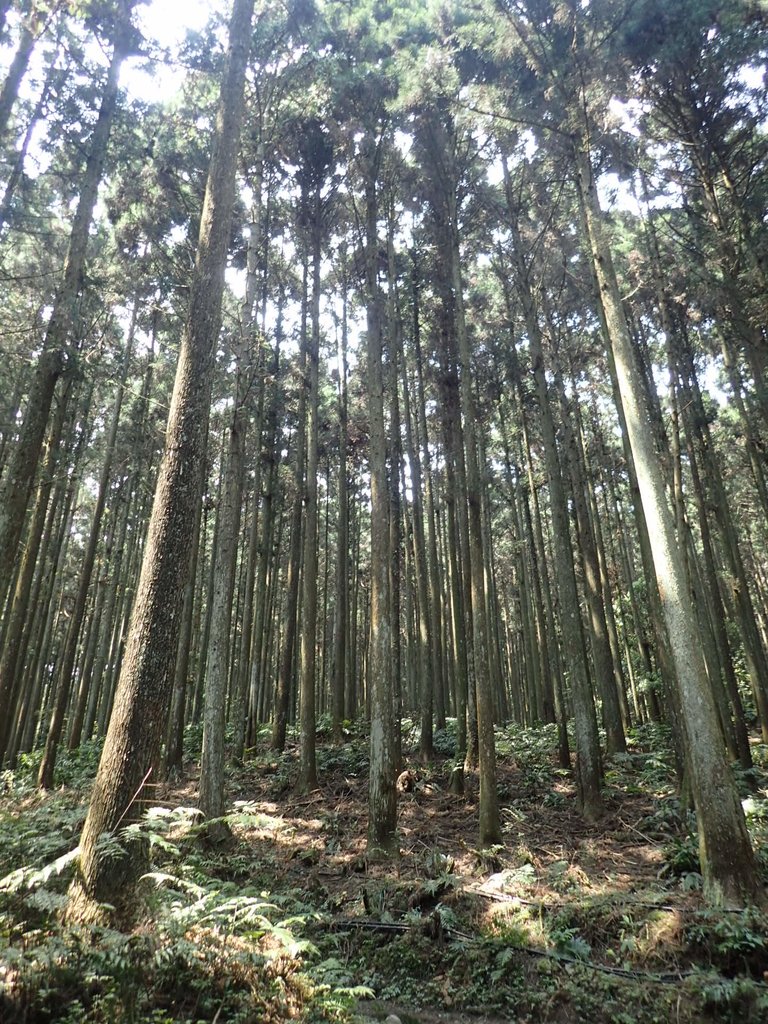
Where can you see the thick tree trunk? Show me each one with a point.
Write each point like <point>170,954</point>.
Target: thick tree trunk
<point>137,725</point>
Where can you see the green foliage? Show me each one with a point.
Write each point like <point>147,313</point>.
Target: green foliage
<point>75,769</point>
<point>681,856</point>
<point>348,758</point>
<point>734,942</point>
<point>40,832</point>
<point>736,1000</point>
<point>212,949</point>
<point>568,941</point>
<point>444,740</point>
<point>756,815</point>
<point>242,928</point>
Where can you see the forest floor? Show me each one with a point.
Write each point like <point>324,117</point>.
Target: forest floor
<point>282,916</point>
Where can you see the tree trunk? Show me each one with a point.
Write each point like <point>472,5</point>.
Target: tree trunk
<point>588,761</point>
<point>308,640</point>
<point>18,478</point>
<point>490,824</point>
<point>16,71</point>
<point>382,795</point>
<point>67,664</point>
<point>341,596</point>
<point>218,649</point>
<point>602,660</point>
<point>285,672</point>
<point>17,622</point>
<point>137,725</point>
<point>727,861</point>
<point>174,744</point>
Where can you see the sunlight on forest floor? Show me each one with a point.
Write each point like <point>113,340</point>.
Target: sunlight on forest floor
<point>286,919</point>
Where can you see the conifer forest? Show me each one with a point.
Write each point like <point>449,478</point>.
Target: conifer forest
<point>383,511</point>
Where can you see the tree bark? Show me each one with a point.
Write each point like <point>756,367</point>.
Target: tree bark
<point>341,594</point>
<point>382,795</point>
<point>588,761</point>
<point>218,650</point>
<point>727,861</point>
<point>308,640</point>
<point>19,476</point>
<point>67,664</point>
<point>137,725</point>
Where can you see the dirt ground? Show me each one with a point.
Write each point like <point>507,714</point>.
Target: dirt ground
<point>593,897</point>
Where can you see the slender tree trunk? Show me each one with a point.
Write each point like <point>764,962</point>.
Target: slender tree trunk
<point>251,341</point>
<point>752,444</point>
<point>421,441</point>
<point>588,761</point>
<point>754,653</point>
<point>308,640</point>
<point>54,80</point>
<point>174,746</point>
<point>10,88</point>
<point>285,673</point>
<point>396,470</point>
<point>727,860</point>
<point>218,649</point>
<point>341,594</point>
<point>17,631</point>
<point>536,529</point>
<point>382,795</point>
<point>67,665</point>
<point>41,646</point>
<point>490,824</point>
<point>423,603</point>
<point>601,651</point>
<point>19,476</point>
<point>589,476</point>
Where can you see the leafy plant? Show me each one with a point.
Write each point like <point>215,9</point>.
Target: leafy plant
<point>681,856</point>
<point>733,942</point>
<point>568,941</point>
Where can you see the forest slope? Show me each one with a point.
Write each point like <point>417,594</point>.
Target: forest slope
<point>284,917</point>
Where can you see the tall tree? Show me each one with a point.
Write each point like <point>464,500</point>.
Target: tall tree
<point>382,796</point>
<point>316,151</point>
<point>137,725</point>
<point>19,476</point>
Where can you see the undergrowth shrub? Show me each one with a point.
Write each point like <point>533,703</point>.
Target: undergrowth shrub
<point>732,942</point>
<point>204,950</point>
